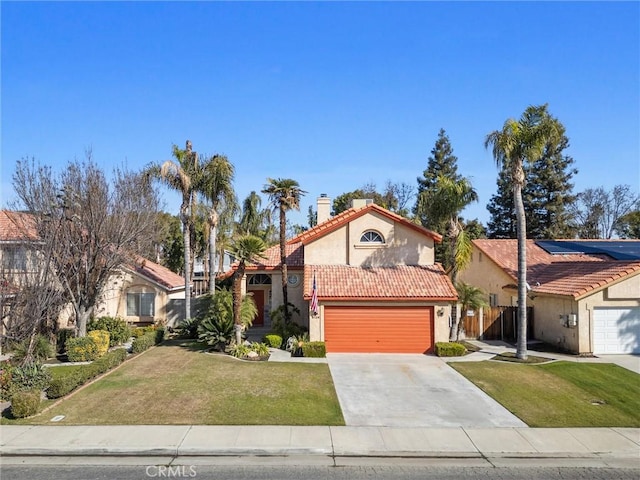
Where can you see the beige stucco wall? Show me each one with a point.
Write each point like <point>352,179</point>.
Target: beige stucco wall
<point>483,273</point>
<point>114,300</point>
<point>403,246</point>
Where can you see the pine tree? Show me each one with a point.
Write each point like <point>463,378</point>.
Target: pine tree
<point>442,162</point>
<point>547,196</point>
<point>502,223</point>
<point>549,193</point>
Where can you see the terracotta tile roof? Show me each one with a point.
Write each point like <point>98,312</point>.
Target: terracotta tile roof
<point>574,275</point>
<point>402,282</point>
<point>348,215</point>
<point>295,258</point>
<point>159,274</point>
<point>17,226</point>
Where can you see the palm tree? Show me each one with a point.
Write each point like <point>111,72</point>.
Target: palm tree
<point>245,249</point>
<point>217,186</point>
<point>519,141</point>
<point>442,205</point>
<point>285,195</point>
<point>181,175</point>
<point>471,298</point>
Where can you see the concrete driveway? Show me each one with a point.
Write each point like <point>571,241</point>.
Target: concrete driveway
<point>400,390</point>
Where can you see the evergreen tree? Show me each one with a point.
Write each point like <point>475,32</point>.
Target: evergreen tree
<point>549,193</point>
<point>502,223</point>
<point>442,162</point>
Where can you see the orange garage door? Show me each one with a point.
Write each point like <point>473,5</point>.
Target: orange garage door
<point>378,329</point>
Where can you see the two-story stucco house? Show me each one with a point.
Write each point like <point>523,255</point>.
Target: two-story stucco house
<point>585,294</point>
<point>141,293</point>
<point>373,274</point>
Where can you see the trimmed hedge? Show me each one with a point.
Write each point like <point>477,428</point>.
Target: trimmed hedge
<point>61,386</point>
<point>314,349</point>
<point>147,340</point>
<point>25,403</point>
<point>450,349</point>
<point>273,340</point>
<point>81,349</point>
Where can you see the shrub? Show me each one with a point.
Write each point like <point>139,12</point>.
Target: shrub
<point>216,325</point>
<point>238,351</point>
<point>188,328</point>
<point>159,334</point>
<point>260,348</point>
<point>295,343</point>
<point>42,349</point>
<point>119,330</point>
<point>283,328</point>
<point>15,379</point>
<point>314,349</point>
<point>273,340</point>
<point>25,403</point>
<point>143,342</point>
<point>138,332</point>
<point>450,349</point>
<point>61,339</point>
<point>81,349</point>
<point>61,386</point>
<point>101,339</point>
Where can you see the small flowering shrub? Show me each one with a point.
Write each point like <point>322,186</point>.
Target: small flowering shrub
<point>82,349</point>
<point>101,339</point>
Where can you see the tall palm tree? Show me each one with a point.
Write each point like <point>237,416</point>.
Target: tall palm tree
<point>471,298</point>
<point>217,186</point>
<point>442,205</point>
<point>285,195</point>
<point>519,141</point>
<point>245,249</point>
<point>181,175</point>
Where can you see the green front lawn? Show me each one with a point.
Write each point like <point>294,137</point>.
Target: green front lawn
<point>561,394</point>
<point>178,384</point>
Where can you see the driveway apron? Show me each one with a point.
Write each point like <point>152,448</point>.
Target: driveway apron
<point>399,390</point>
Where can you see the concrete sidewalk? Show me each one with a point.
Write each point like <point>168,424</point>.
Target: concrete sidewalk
<point>321,441</point>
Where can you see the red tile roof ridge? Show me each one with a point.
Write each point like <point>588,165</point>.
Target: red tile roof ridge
<point>352,213</point>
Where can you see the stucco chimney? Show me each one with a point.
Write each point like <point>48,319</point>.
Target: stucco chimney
<point>360,202</point>
<point>324,208</point>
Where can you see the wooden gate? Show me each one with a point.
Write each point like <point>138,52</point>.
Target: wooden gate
<point>501,323</point>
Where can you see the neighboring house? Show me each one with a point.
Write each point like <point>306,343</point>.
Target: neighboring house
<point>142,294</point>
<point>585,294</point>
<point>377,286</point>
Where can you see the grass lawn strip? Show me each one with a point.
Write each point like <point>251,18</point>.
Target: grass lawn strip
<point>561,394</point>
<point>179,385</point>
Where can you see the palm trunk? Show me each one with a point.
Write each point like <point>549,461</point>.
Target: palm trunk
<point>283,264</point>
<point>521,348</point>
<point>212,257</point>
<point>237,301</point>
<point>187,266</point>
<point>453,232</point>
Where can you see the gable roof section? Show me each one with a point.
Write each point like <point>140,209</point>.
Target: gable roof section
<point>575,275</point>
<point>402,282</point>
<point>295,258</point>
<point>159,274</point>
<point>17,226</point>
<point>347,216</point>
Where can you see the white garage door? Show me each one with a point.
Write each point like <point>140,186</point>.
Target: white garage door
<point>616,330</point>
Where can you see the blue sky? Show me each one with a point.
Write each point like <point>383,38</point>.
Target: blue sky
<point>331,94</point>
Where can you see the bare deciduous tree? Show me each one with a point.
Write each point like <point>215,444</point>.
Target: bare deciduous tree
<point>92,227</point>
<point>598,211</point>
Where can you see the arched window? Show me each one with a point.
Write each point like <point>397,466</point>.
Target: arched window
<point>371,236</point>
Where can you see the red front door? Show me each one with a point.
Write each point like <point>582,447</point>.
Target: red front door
<point>258,297</point>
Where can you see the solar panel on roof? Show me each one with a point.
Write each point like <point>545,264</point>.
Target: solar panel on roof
<point>616,249</point>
